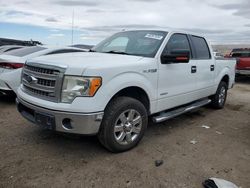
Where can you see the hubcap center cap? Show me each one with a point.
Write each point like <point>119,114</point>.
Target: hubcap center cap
<point>128,127</point>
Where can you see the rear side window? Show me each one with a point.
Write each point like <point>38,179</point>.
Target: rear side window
<point>12,49</point>
<point>201,48</point>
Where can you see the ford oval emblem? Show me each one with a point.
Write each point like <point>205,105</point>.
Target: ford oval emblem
<point>30,79</point>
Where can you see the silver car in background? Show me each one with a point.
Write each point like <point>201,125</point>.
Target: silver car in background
<point>7,48</point>
<point>11,64</point>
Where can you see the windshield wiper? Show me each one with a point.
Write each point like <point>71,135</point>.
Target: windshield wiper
<point>117,52</point>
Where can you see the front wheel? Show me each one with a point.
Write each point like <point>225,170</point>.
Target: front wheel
<point>219,99</point>
<point>124,123</point>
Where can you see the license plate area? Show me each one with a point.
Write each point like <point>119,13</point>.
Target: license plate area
<point>45,120</point>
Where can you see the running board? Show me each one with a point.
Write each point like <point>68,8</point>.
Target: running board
<point>176,112</point>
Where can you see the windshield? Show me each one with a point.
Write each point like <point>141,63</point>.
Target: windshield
<point>24,51</point>
<point>139,43</point>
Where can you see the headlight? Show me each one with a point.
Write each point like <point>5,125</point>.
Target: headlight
<point>74,86</point>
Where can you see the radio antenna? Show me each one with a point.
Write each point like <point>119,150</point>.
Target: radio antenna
<point>72,29</point>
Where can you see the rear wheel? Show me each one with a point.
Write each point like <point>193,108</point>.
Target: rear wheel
<point>219,99</point>
<point>124,123</point>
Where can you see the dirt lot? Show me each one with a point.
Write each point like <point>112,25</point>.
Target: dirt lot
<point>31,157</point>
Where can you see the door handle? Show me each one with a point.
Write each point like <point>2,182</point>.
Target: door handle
<point>193,69</point>
<point>211,67</point>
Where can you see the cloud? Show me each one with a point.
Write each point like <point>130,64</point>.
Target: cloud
<point>55,30</point>
<point>240,8</point>
<point>51,19</point>
<point>95,11</point>
<point>76,3</point>
<point>220,21</point>
<point>22,2</point>
<point>12,13</point>
<point>56,35</point>
<point>146,1</point>
<point>208,31</point>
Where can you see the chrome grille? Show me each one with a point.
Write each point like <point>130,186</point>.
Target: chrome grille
<point>42,81</point>
<point>42,70</point>
<point>49,83</point>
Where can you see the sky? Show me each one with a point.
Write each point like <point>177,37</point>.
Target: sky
<point>50,21</point>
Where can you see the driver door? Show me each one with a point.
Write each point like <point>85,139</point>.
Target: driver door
<point>177,81</point>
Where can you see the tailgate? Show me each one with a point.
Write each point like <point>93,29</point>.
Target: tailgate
<point>243,64</point>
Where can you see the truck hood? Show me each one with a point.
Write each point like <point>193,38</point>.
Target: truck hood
<point>77,63</point>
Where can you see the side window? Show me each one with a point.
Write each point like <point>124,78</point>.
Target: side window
<point>201,48</point>
<point>177,42</point>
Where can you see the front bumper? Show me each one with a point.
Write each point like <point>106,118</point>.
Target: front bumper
<point>77,123</point>
<point>243,72</point>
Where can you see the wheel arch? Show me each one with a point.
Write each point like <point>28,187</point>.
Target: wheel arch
<point>136,93</point>
<point>225,79</point>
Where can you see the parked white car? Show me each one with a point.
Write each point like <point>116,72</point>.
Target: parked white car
<point>113,89</point>
<point>11,64</point>
<point>7,48</point>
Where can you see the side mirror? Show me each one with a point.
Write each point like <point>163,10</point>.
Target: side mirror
<point>176,56</point>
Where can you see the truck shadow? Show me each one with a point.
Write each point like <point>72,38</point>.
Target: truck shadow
<point>79,146</point>
<point>178,122</point>
<point>7,99</point>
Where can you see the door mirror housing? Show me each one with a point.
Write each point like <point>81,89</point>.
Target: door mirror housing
<point>176,56</point>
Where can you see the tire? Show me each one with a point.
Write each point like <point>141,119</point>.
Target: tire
<point>219,99</point>
<point>124,124</point>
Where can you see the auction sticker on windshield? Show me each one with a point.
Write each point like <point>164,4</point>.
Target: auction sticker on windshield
<point>153,36</point>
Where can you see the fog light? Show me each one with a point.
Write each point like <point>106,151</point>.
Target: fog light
<point>66,123</point>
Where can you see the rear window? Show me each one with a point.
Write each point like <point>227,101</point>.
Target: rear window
<point>12,49</point>
<point>241,50</point>
<point>201,48</point>
<point>241,54</point>
<point>25,51</point>
<point>64,51</point>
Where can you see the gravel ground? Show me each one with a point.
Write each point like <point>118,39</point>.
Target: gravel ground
<point>31,157</point>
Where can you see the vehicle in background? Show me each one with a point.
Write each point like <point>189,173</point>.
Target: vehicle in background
<point>11,64</point>
<point>8,41</point>
<point>218,55</point>
<point>83,46</point>
<point>8,48</point>
<point>112,90</point>
<point>243,60</point>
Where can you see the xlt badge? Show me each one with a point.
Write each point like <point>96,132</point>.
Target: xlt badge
<point>150,71</point>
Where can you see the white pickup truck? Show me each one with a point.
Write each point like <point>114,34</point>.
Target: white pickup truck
<point>113,89</point>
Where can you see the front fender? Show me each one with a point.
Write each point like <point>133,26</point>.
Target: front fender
<point>128,79</point>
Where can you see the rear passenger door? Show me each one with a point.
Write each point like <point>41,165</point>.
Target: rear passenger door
<point>205,66</point>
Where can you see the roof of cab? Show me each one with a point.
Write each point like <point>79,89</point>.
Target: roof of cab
<point>168,30</point>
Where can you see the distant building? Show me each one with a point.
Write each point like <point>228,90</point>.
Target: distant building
<point>5,41</point>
